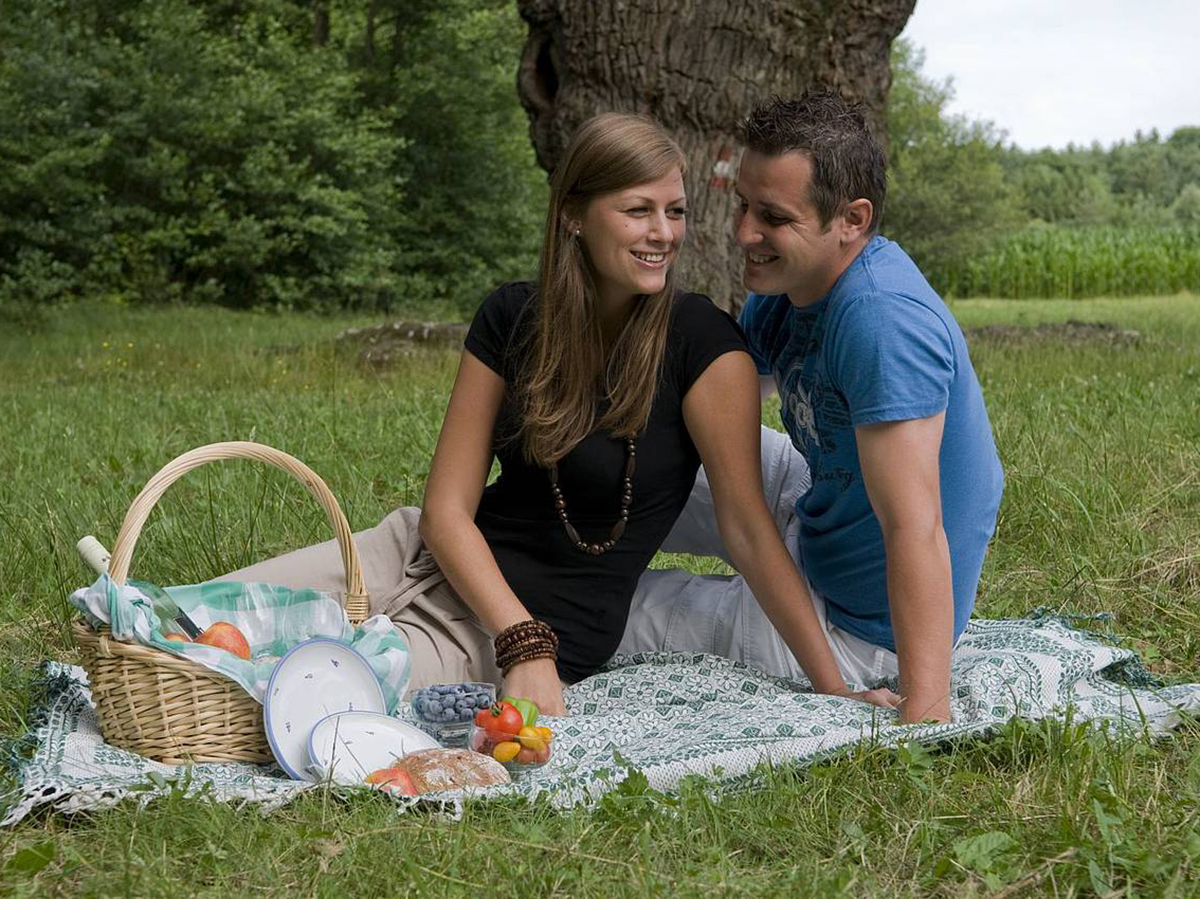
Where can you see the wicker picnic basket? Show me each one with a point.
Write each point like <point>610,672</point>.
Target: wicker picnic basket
<point>171,709</point>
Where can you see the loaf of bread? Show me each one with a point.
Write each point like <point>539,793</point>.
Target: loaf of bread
<point>430,770</point>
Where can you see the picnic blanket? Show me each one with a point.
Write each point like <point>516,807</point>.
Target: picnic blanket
<point>667,715</point>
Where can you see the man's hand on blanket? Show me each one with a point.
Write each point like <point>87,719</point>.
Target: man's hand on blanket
<point>538,680</point>
<point>881,696</point>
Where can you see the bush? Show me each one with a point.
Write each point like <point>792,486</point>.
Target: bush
<point>148,157</point>
<point>947,194</point>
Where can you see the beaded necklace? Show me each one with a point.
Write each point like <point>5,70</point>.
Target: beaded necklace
<point>618,529</point>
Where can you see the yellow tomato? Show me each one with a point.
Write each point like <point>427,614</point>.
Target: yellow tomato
<point>506,751</point>
<point>531,739</point>
<point>545,733</point>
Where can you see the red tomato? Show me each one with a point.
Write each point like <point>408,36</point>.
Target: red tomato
<point>503,718</point>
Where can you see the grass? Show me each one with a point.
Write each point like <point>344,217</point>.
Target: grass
<point>1101,445</point>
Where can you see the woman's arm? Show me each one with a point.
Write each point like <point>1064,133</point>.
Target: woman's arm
<point>722,414</point>
<point>457,477</point>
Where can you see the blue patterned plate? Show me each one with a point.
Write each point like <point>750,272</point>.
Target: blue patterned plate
<point>347,746</point>
<point>314,680</point>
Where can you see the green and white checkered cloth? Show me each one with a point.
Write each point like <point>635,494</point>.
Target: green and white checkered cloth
<point>273,619</point>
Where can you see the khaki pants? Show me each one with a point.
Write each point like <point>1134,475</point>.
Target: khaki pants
<point>447,641</point>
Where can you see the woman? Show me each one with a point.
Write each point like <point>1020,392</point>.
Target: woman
<point>601,390</point>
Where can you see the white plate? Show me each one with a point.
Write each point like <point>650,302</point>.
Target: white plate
<point>315,679</point>
<point>347,746</point>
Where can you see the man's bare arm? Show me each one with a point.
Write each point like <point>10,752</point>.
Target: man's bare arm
<point>900,469</point>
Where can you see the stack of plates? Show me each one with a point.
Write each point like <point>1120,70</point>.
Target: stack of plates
<point>326,718</point>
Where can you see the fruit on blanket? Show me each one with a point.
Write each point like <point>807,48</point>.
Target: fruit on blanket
<point>179,638</point>
<point>531,739</point>
<point>506,751</point>
<point>224,635</point>
<point>502,718</point>
<point>527,707</point>
<point>393,780</point>
<point>528,749</point>
<point>452,703</point>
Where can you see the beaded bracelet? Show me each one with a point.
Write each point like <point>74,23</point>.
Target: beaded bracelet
<point>524,642</point>
<point>525,630</point>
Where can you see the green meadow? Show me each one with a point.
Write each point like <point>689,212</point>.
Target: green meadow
<point>1099,432</point>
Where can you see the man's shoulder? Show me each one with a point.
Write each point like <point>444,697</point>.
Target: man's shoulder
<point>764,312</point>
<point>886,286</point>
<point>886,268</point>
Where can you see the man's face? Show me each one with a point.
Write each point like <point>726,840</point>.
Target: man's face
<point>786,248</point>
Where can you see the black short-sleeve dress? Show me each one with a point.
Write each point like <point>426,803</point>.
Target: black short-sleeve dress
<point>586,598</point>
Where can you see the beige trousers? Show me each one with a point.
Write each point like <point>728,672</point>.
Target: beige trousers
<point>447,641</point>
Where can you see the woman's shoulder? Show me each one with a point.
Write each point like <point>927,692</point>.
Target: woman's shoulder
<point>695,314</point>
<point>505,306</point>
<point>700,332</point>
<point>490,336</point>
<point>512,296</point>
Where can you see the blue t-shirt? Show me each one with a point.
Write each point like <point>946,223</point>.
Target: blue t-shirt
<point>880,346</point>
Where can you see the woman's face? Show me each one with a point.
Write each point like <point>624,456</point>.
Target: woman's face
<point>631,237</point>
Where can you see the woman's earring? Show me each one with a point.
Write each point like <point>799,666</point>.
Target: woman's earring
<point>576,232</point>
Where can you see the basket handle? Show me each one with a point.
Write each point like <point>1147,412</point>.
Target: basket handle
<point>356,599</point>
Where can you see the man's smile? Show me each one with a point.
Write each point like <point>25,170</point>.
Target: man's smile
<point>760,258</point>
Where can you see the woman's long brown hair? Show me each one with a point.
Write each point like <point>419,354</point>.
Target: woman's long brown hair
<point>566,371</point>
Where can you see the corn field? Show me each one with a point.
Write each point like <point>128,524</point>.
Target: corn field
<point>1079,262</point>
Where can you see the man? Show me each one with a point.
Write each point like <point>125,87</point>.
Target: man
<point>877,394</point>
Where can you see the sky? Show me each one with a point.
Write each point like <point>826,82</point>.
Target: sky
<point>1051,72</point>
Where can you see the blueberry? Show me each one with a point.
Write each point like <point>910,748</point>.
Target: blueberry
<point>482,701</point>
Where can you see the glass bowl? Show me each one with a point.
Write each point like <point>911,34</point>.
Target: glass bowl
<point>454,731</point>
<point>530,751</point>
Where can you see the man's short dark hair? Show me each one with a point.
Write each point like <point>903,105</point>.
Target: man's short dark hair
<point>847,160</point>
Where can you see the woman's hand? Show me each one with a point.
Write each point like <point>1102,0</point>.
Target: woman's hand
<point>537,680</point>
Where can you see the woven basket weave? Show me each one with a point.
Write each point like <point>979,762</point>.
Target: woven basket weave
<point>171,709</point>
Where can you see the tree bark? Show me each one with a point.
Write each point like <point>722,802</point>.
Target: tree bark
<point>320,36</point>
<point>698,66</point>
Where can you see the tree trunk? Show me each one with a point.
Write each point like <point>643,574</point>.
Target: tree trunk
<point>698,66</point>
<point>320,36</point>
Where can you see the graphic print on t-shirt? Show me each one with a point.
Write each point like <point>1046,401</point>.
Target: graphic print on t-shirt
<point>797,407</point>
<point>812,410</point>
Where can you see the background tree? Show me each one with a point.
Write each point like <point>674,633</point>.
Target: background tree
<point>948,197</point>
<point>698,66</point>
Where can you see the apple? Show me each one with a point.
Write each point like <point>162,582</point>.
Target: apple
<point>224,635</point>
<point>393,780</point>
